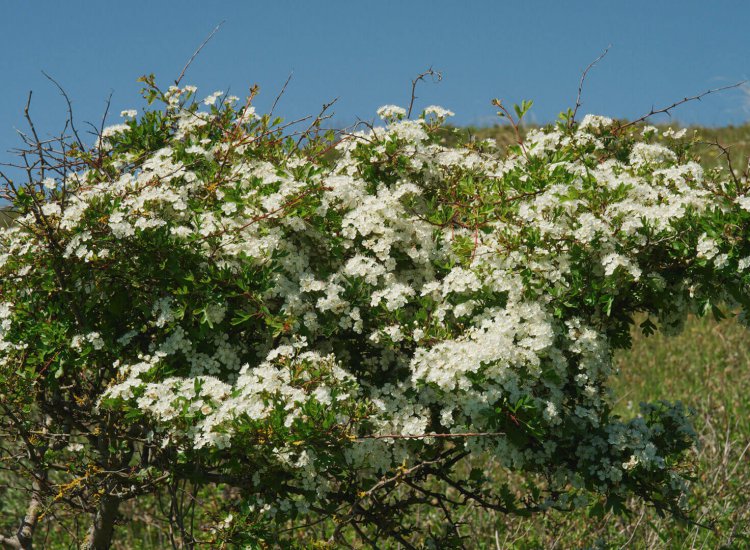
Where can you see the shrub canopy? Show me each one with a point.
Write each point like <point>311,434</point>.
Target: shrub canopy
<point>342,325</point>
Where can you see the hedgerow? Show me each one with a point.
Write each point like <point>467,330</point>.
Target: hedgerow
<point>341,325</point>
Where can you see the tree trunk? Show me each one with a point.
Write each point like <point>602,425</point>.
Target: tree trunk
<point>100,533</point>
<point>24,537</point>
<point>26,532</point>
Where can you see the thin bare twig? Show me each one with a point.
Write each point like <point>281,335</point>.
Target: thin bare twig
<point>281,93</point>
<point>666,110</point>
<point>437,435</point>
<point>100,131</point>
<point>726,154</point>
<point>583,79</point>
<point>318,119</point>
<point>195,54</point>
<point>37,141</point>
<point>70,109</point>
<point>436,75</point>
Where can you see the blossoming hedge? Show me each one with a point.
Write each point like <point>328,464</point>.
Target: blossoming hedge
<point>346,325</point>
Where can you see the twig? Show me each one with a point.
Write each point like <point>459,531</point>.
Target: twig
<point>100,136</point>
<point>70,109</point>
<point>583,79</point>
<point>666,110</point>
<point>471,495</point>
<point>726,154</point>
<point>427,464</point>
<point>429,72</point>
<point>318,119</point>
<point>513,122</point>
<point>195,54</point>
<point>39,148</point>
<point>423,436</point>
<point>281,93</point>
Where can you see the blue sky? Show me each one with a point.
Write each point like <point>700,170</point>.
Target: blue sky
<point>366,53</point>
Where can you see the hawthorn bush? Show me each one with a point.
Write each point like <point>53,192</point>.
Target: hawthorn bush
<point>342,326</point>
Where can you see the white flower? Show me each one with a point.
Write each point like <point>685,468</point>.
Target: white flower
<point>631,463</point>
<point>707,247</point>
<point>114,129</point>
<point>394,333</point>
<point>410,130</point>
<point>229,208</point>
<point>388,112</point>
<point>51,209</point>
<point>210,100</point>
<point>248,114</point>
<point>669,132</point>
<point>439,112</point>
<point>181,231</point>
<point>77,342</point>
<point>94,338</point>
<point>550,411</point>
<point>215,313</point>
<point>650,153</point>
<point>120,228</point>
<point>612,261</point>
<point>595,122</point>
<point>130,113</point>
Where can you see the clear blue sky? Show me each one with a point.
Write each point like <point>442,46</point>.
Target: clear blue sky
<point>365,53</point>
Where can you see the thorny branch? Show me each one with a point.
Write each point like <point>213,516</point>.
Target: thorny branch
<point>70,109</point>
<point>580,84</point>
<point>667,110</point>
<point>195,54</point>
<point>281,93</point>
<point>437,76</point>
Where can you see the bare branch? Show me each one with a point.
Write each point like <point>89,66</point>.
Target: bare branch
<point>725,152</point>
<point>37,141</point>
<point>99,132</point>
<point>195,54</point>
<point>437,76</point>
<point>580,84</point>
<point>318,119</point>
<point>281,93</point>
<point>24,536</point>
<point>437,435</point>
<point>70,109</point>
<point>471,495</point>
<point>666,110</point>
